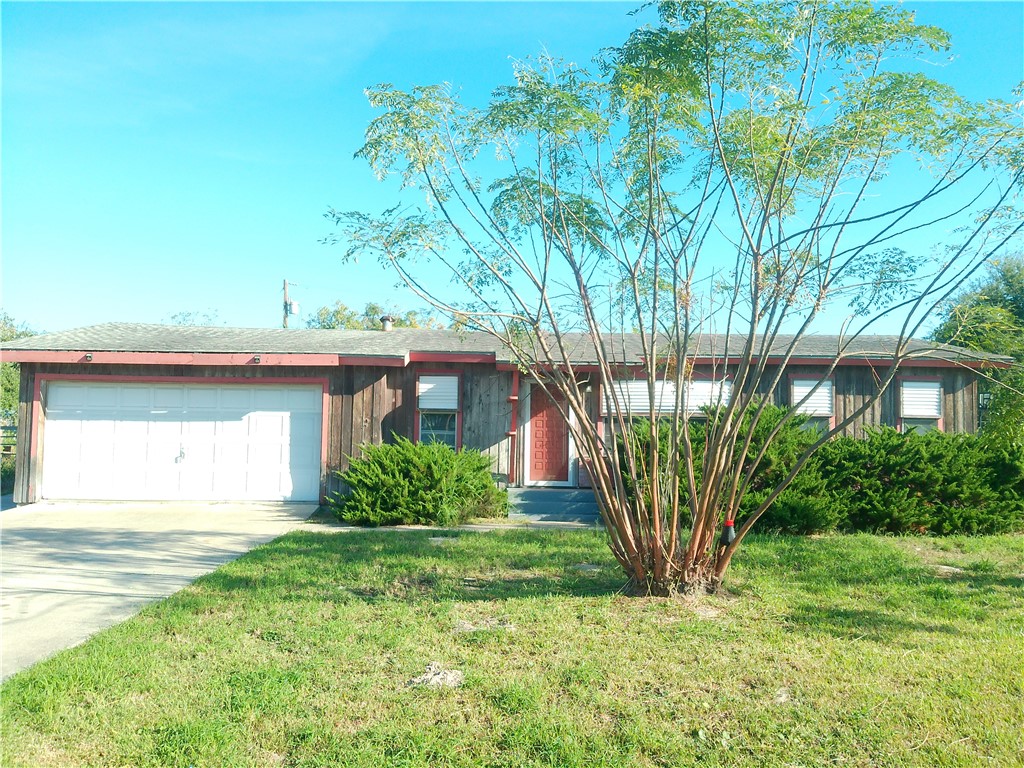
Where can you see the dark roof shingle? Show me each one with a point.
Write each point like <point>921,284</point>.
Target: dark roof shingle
<point>627,348</point>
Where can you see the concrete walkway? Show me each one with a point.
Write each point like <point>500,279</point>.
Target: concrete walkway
<point>69,570</point>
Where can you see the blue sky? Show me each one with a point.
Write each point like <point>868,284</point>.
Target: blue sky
<point>161,158</point>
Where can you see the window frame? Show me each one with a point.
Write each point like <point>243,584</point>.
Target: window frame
<point>902,418</point>
<point>418,423</point>
<point>814,417</point>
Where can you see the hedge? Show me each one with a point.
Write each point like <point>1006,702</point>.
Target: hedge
<point>406,483</point>
<point>886,482</point>
<point>923,483</point>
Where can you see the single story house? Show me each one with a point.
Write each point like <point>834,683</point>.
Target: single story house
<point>131,411</point>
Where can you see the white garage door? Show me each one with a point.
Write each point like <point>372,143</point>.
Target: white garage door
<point>181,441</point>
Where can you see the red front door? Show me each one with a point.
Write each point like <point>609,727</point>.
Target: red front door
<point>549,439</point>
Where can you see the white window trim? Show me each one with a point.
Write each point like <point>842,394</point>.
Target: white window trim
<point>808,408</point>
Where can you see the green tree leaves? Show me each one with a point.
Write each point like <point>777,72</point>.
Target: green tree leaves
<point>340,316</point>
<point>10,329</point>
<point>989,317</point>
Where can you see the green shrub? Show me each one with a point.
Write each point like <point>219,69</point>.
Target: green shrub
<point>405,483</point>
<point>924,483</point>
<point>887,482</point>
<point>800,513</point>
<point>6,474</point>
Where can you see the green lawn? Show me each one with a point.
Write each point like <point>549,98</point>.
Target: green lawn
<point>842,650</point>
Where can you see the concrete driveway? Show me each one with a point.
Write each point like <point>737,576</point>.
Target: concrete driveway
<point>70,569</point>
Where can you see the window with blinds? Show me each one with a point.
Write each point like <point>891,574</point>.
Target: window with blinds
<point>437,405</point>
<point>920,405</point>
<point>810,401</point>
<point>634,397</point>
<point>921,399</point>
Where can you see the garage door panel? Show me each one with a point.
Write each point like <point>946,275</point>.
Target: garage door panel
<point>269,425</point>
<point>98,432</point>
<point>233,427</point>
<point>198,453</point>
<point>202,397</point>
<point>304,457</point>
<point>216,441</point>
<point>232,453</point>
<point>64,397</point>
<point>239,398</point>
<point>269,399</point>
<point>101,396</point>
<point>197,483</point>
<point>163,442</point>
<point>267,455</point>
<point>162,483</point>
<point>200,428</point>
<point>304,400</point>
<point>135,397</point>
<point>304,427</point>
<point>128,437</point>
<point>168,397</point>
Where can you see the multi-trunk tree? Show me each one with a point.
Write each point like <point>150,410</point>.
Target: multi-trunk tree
<point>735,175</point>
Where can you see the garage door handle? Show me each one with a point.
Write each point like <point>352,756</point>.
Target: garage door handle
<point>181,456</point>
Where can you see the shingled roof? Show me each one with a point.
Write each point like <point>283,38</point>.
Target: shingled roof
<point>140,337</point>
<point>400,342</point>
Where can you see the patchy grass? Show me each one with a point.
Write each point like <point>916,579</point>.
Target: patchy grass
<point>839,650</point>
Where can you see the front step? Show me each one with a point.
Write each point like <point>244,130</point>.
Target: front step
<point>554,505</point>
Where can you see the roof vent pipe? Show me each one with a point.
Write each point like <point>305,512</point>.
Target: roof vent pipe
<point>387,323</point>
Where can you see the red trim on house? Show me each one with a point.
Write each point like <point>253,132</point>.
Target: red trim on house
<point>458,413</point>
<point>861,361</point>
<point>169,358</point>
<point>398,361</point>
<point>451,357</point>
<point>37,410</point>
<point>383,361</point>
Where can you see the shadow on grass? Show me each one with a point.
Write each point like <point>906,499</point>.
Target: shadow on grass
<point>867,587</point>
<point>376,565</point>
<point>859,623</point>
<point>819,565</point>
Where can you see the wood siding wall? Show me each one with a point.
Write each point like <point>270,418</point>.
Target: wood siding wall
<point>855,385</point>
<point>366,405</point>
<point>372,405</point>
